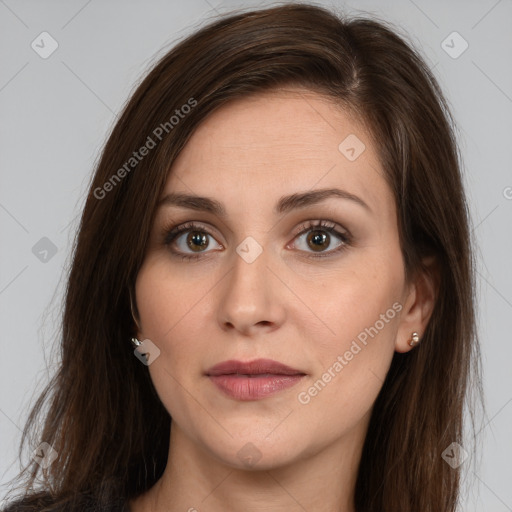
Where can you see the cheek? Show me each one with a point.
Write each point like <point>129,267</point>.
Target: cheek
<point>164,298</point>
<point>167,304</point>
<point>345,303</point>
<point>161,304</point>
<point>172,307</point>
<point>350,370</point>
<point>360,308</point>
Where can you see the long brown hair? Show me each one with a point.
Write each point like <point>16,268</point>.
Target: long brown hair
<point>104,419</point>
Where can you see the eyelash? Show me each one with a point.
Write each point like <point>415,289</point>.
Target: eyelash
<point>171,233</point>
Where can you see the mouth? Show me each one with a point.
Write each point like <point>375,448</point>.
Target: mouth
<point>253,380</point>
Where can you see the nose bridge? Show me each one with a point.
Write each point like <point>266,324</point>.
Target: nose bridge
<point>250,296</point>
<point>249,277</point>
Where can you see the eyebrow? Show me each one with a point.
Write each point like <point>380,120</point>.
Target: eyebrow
<point>284,205</point>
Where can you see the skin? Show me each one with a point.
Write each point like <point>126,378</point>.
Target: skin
<point>285,305</point>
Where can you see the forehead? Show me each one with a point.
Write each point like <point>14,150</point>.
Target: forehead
<point>261,147</point>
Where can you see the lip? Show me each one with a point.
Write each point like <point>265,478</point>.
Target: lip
<point>253,380</point>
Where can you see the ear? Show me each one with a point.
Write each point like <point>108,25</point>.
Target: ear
<point>418,304</point>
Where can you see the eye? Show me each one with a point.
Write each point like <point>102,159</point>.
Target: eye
<point>196,240</point>
<point>317,237</point>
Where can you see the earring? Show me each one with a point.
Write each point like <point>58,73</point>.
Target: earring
<point>136,343</point>
<point>415,339</point>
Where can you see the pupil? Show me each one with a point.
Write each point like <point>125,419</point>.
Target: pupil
<point>196,240</point>
<point>318,238</point>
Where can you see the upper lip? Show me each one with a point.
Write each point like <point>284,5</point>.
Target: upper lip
<point>256,367</point>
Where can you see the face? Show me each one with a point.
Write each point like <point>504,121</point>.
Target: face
<point>315,284</point>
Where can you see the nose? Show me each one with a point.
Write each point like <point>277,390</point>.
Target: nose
<point>252,299</point>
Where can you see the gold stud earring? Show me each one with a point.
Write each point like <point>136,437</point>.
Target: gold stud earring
<point>415,339</point>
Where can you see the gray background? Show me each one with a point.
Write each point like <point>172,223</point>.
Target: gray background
<point>56,113</point>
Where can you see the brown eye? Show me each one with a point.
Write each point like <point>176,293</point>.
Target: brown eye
<point>318,240</point>
<point>191,246</point>
<point>197,240</point>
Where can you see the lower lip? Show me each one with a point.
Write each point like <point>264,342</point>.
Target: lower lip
<point>242,387</point>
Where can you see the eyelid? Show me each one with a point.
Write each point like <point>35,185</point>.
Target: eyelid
<point>173,231</point>
<point>320,223</point>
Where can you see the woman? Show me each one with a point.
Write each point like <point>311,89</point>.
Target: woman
<point>278,227</point>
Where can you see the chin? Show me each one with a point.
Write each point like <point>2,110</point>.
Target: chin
<point>255,452</point>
